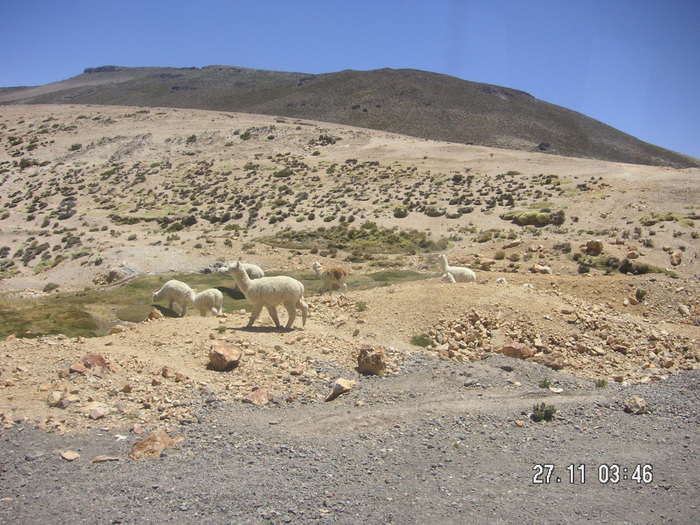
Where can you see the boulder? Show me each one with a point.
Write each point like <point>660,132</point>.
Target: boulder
<point>371,361</point>
<point>224,356</point>
<point>540,268</point>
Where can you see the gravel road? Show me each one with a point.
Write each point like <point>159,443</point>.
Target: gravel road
<point>439,443</point>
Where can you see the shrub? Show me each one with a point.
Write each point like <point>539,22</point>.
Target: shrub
<point>50,287</point>
<point>400,212</point>
<point>640,294</point>
<point>601,383</point>
<point>361,306</point>
<point>75,147</point>
<point>191,139</point>
<point>545,383</point>
<point>543,412</point>
<point>421,340</point>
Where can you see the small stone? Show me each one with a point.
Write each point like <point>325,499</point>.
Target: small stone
<point>77,368</point>
<point>155,315</point>
<point>224,356</point>
<point>167,372</point>
<point>153,445</point>
<point>258,396</point>
<point>104,459</point>
<point>127,388</point>
<point>54,398</point>
<point>676,258</point>
<point>683,310</point>
<point>519,423</point>
<point>636,405</point>
<point>117,329</point>
<point>341,386</point>
<point>69,455</point>
<point>541,268</point>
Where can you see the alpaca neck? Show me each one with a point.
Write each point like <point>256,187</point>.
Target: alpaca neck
<point>242,280</point>
<point>443,264</point>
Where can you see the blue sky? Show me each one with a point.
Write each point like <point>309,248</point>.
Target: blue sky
<point>634,65</point>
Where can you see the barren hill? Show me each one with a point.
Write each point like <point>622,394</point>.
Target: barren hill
<point>410,102</point>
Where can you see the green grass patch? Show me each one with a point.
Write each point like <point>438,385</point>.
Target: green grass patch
<point>368,238</point>
<point>421,340</point>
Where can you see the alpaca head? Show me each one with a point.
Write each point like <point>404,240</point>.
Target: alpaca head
<point>237,270</point>
<point>442,259</point>
<point>316,267</point>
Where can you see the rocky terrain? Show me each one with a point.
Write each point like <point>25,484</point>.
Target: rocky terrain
<point>405,399</point>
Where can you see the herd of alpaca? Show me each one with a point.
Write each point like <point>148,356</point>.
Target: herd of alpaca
<point>271,292</point>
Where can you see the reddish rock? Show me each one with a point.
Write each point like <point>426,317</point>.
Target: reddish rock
<point>517,350</point>
<point>167,372</point>
<point>224,356</point>
<point>676,258</point>
<point>153,445</point>
<point>69,455</point>
<point>77,368</point>
<point>259,397</point>
<point>371,361</point>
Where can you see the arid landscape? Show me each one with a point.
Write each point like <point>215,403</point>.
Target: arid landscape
<point>587,295</point>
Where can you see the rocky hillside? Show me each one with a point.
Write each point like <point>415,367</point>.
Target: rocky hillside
<point>410,102</point>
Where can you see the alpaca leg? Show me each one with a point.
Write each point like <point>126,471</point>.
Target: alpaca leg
<point>184,309</point>
<point>273,313</point>
<point>214,311</point>
<point>171,304</point>
<point>292,312</point>
<point>254,313</point>
<point>304,311</point>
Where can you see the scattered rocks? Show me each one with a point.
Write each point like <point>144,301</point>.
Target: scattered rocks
<point>153,445</point>
<point>155,315</point>
<point>224,356</point>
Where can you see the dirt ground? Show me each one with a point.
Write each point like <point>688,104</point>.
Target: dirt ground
<point>446,434</point>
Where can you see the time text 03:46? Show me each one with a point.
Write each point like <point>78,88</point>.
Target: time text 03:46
<point>605,473</point>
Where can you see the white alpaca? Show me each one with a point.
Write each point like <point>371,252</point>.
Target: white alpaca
<point>455,273</point>
<point>211,300</point>
<point>332,278</point>
<point>270,292</point>
<point>175,292</point>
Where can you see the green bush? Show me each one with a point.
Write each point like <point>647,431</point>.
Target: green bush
<point>543,412</point>
<point>421,340</point>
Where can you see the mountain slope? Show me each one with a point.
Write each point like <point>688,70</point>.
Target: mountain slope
<point>411,102</point>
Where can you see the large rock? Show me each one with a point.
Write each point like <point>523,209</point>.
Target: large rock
<point>371,361</point>
<point>153,445</point>
<point>224,356</point>
<point>341,386</point>
<point>517,350</point>
<point>676,258</point>
<point>594,247</point>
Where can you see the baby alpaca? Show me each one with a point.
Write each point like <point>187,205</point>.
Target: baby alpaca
<point>211,300</point>
<point>175,292</point>
<point>455,273</point>
<point>270,292</point>
<point>332,278</point>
